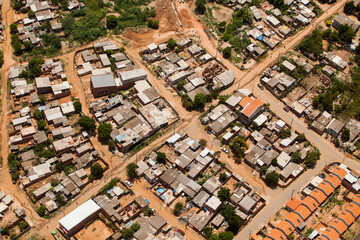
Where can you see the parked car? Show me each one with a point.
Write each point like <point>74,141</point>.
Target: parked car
<point>286,109</point>
<point>181,231</point>
<point>225,150</point>
<point>260,86</point>
<point>128,183</point>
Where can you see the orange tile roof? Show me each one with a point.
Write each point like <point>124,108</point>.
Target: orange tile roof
<point>334,180</point>
<point>355,209</point>
<point>318,195</point>
<point>276,234</point>
<point>338,225</point>
<point>294,219</point>
<point>331,234</point>
<point>347,217</point>
<point>321,238</point>
<point>245,101</point>
<point>356,198</point>
<point>326,187</point>
<point>252,107</point>
<point>310,202</point>
<point>286,227</point>
<point>303,211</point>
<point>340,172</point>
<point>293,204</point>
<point>256,237</point>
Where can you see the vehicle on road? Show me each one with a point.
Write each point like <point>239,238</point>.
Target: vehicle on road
<point>286,109</point>
<point>260,86</point>
<point>225,150</point>
<point>128,183</point>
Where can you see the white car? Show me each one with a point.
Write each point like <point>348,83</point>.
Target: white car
<point>128,183</point>
<point>225,150</point>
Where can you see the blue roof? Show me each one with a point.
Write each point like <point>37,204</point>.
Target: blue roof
<point>260,38</point>
<point>42,108</point>
<point>120,137</point>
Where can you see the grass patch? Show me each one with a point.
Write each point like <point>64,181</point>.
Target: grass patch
<point>69,169</point>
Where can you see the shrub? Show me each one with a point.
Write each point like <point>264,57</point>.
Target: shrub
<point>131,170</point>
<point>41,210</point>
<point>111,21</point>
<point>96,170</point>
<point>223,194</point>
<point>87,123</point>
<point>177,209</point>
<point>272,179</point>
<point>161,157</point>
<point>112,145</point>
<point>171,43</point>
<point>202,142</point>
<point>77,106</point>
<point>104,131</point>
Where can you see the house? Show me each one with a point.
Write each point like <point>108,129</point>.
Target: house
<point>252,109</point>
<point>342,19</point>
<point>61,90</point>
<point>213,204</point>
<point>283,159</point>
<point>129,77</point>
<point>247,204</point>
<point>52,113</point>
<point>43,85</point>
<point>105,62</point>
<point>288,65</point>
<point>292,170</point>
<point>89,57</point>
<point>79,217</point>
<point>152,48</point>
<point>273,21</point>
<point>102,85</point>
<point>105,45</point>
<point>334,127</point>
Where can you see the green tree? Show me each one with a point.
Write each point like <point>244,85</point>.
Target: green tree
<point>153,24</point>
<point>223,177</point>
<point>202,142</point>
<point>16,43</point>
<point>112,145</point>
<point>87,123</point>
<point>128,233</point>
<point>226,235</point>
<point>38,115</point>
<point>111,21</point>
<point>263,170</point>
<point>96,170</point>
<point>223,194</point>
<point>349,7</point>
<point>227,52</point>
<point>301,138</point>
<point>296,157</point>
<point>42,99</point>
<point>31,14</point>
<point>131,170</point>
<point>285,133</point>
<point>104,131</point>
<point>42,125</point>
<point>208,231</point>
<point>272,179</point>
<point>58,167</point>
<point>41,210</point>
<point>345,135</point>
<point>35,65</point>
<point>77,106</point>
<point>13,28</point>
<point>227,211</point>
<point>161,157</point>
<point>311,158</point>
<point>238,146</point>
<point>200,6</point>
<point>312,44</point>
<point>214,237</point>
<point>171,43</point>
<point>199,101</point>
<point>177,209</point>
<point>346,33</point>
<point>135,227</point>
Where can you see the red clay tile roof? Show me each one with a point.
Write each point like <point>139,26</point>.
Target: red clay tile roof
<point>252,107</point>
<point>339,171</point>
<point>293,204</point>
<point>331,234</point>
<point>245,101</point>
<point>310,203</point>
<point>286,227</point>
<point>355,209</point>
<point>318,195</point>
<point>277,235</point>
<point>334,180</point>
<point>338,225</point>
<point>294,219</point>
<point>303,211</point>
<point>326,187</point>
<point>347,217</point>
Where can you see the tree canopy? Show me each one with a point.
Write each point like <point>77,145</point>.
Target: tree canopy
<point>272,179</point>
<point>104,131</point>
<point>87,123</point>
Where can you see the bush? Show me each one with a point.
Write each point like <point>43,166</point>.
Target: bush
<point>58,167</point>
<point>161,157</point>
<point>42,99</point>
<point>301,138</point>
<point>111,21</point>
<point>222,177</point>
<point>226,235</point>
<point>42,125</point>
<point>38,114</point>
<point>203,142</point>
<point>96,170</point>
<point>131,170</point>
<point>272,179</point>
<point>153,24</point>
<point>208,231</point>
<point>112,145</point>
<point>177,209</point>
<point>200,6</point>
<point>296,157</point>
<point>227,52</point>
<point>104,131</point>
<point>35,65</point>
<point>128,233</point>
<point>199,101</point>
<point>285,133</point>
<point>312,158</point>
<point>263,170</point>
<point>223,194</point>
<point>77,106</point>
<point>238,147</point>
<point>41,211</point>
<point>135,227</point>
<point>345,135</point>
<point>87,123</point>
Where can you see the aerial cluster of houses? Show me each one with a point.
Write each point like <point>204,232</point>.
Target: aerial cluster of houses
<point>12,215</point>
<point>30,29</point>
<point>191,67</point>
<point>192,172</point>
<point>305,216</point>
<point>123,211</point>
<point>43,136</point>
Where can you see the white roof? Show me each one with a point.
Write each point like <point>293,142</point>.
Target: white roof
<point>283,159</point>
<point>260,120</point>
<point>173,138</point>
<point>351,178</point>
<point>78,215</point>
<point>316,181</point>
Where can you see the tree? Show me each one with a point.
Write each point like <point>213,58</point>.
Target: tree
<point>42,99</point>
<point>223,177</point>
<point>223,194</point>
<point>208,231</point>
<point>312,44</point>
<point>285,133</point>
<point>147,211</point>
<point>227,211</point>
<point>349,7</point>
<point>161,157</point>
<point>96,170</point>
<point>301,138</point>
<point>263,170</point>
<point>345,135</point>
<point>38,115</point>
<point>214,237</point>
<point>311,158</point>
<point>226,235</point>
<point>128,233</point>
<point>13,28</point>
<point>77,106</point>
<point>274,162</point>
<point>202,142</point>
<point>87,123</point>
<point>58,167</point>
<point>104,131</point>
<point>296,157</point>
<point>272,179</point>
<point>200,6</point>
<point>238,147</point>
<point>60,198</point>
<point>199,101</point>
<point>227,52</point>
<point>171,43</point>
<point>31,14</point>
<point>177,209</point>
<point>41,210</point>
<point>131,170</point>
<point>42,125</point>
<point>111,21</point>
<point>112,145</point>
<point>16,43</point>
<point>135,227</point>
<point>35,65</point>
<point>346,33</point>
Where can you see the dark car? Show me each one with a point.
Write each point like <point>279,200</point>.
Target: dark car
<point>260,86</point>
